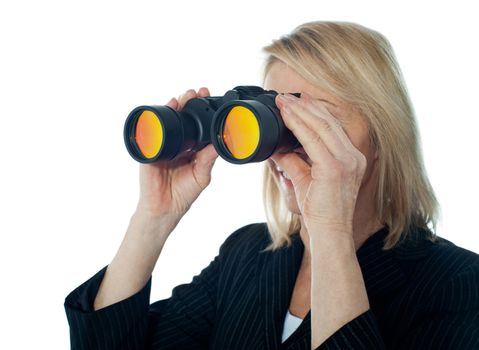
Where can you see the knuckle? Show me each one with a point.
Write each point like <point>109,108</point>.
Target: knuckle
<point>302,103</point>
<point>292,123</point>
<point>319,106</point>
<point>351,164</point>
<point>330,170</point>
<point>317,171</point>
<point>313,140</point>
<point>323,124</point>
<point>338,169</point>
<point>187,95</point>
<point>362,163</point>
<point>171,101</point>
<point>190,94</point>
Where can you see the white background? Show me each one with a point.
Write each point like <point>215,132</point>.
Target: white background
<point>71,71</point>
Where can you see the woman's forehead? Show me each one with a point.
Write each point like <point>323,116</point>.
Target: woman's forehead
<point>283,79</point>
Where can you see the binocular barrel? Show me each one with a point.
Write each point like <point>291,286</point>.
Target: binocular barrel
<point>244,126</point>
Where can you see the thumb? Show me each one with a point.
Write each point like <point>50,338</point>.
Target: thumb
<point>203,163</point>
<point>297,169</point>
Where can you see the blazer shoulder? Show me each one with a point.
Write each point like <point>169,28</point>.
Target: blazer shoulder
<point>459,290</point>
<point>452,274</point>
<point>251,236</point>
<point>457,259</point>
<point>435,253</point>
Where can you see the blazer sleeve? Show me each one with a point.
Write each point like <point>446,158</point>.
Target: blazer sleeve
<point>183,321</point>
<point>360,333</point>
<point>450,321</point>
<point>119,326</point>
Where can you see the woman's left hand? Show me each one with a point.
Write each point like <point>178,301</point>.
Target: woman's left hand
<point>327,190</point>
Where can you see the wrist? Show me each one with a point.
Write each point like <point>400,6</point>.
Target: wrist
<point>151,228</point>
<point>328,239</point>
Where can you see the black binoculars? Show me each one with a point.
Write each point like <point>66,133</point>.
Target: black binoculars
<point>244,126</point>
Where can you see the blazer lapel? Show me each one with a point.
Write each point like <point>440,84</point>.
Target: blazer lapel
<point>277,272</point>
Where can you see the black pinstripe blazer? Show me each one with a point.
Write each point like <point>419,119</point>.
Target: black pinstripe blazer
<point>423,295</point>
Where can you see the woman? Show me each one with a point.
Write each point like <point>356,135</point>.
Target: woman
<point>346,260</point>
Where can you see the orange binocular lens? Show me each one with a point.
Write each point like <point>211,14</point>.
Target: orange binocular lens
<point>241,132</point>
<point>149,134</point>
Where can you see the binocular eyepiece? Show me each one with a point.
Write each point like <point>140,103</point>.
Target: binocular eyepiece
<point>244,126</point>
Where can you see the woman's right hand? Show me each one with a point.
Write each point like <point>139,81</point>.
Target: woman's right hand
<point>169,187</point>
<point>167,190</point>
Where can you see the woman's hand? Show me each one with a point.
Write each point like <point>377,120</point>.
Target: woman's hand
<point>169,187</point>
<point>326,193</point>
<point>167,190</point>
<point>327,190</point>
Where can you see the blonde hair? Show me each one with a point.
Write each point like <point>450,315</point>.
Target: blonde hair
<point>358,66</point>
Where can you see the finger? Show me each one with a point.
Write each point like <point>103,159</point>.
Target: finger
<point>203,92</point>
<point>188,95</point>
<point>323,109</point>
<point>297,169</point>
<point>173,103</point>
<point>206,156</point>
<point>309,139</point>
<point>203,163</point>
<point>318,135</point>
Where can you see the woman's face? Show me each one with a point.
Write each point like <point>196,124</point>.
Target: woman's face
<point>285,80</point>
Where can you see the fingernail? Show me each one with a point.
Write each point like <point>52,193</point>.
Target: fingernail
<point>281,101</point>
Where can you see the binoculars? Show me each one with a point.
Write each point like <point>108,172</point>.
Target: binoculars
<point>244,126</point>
